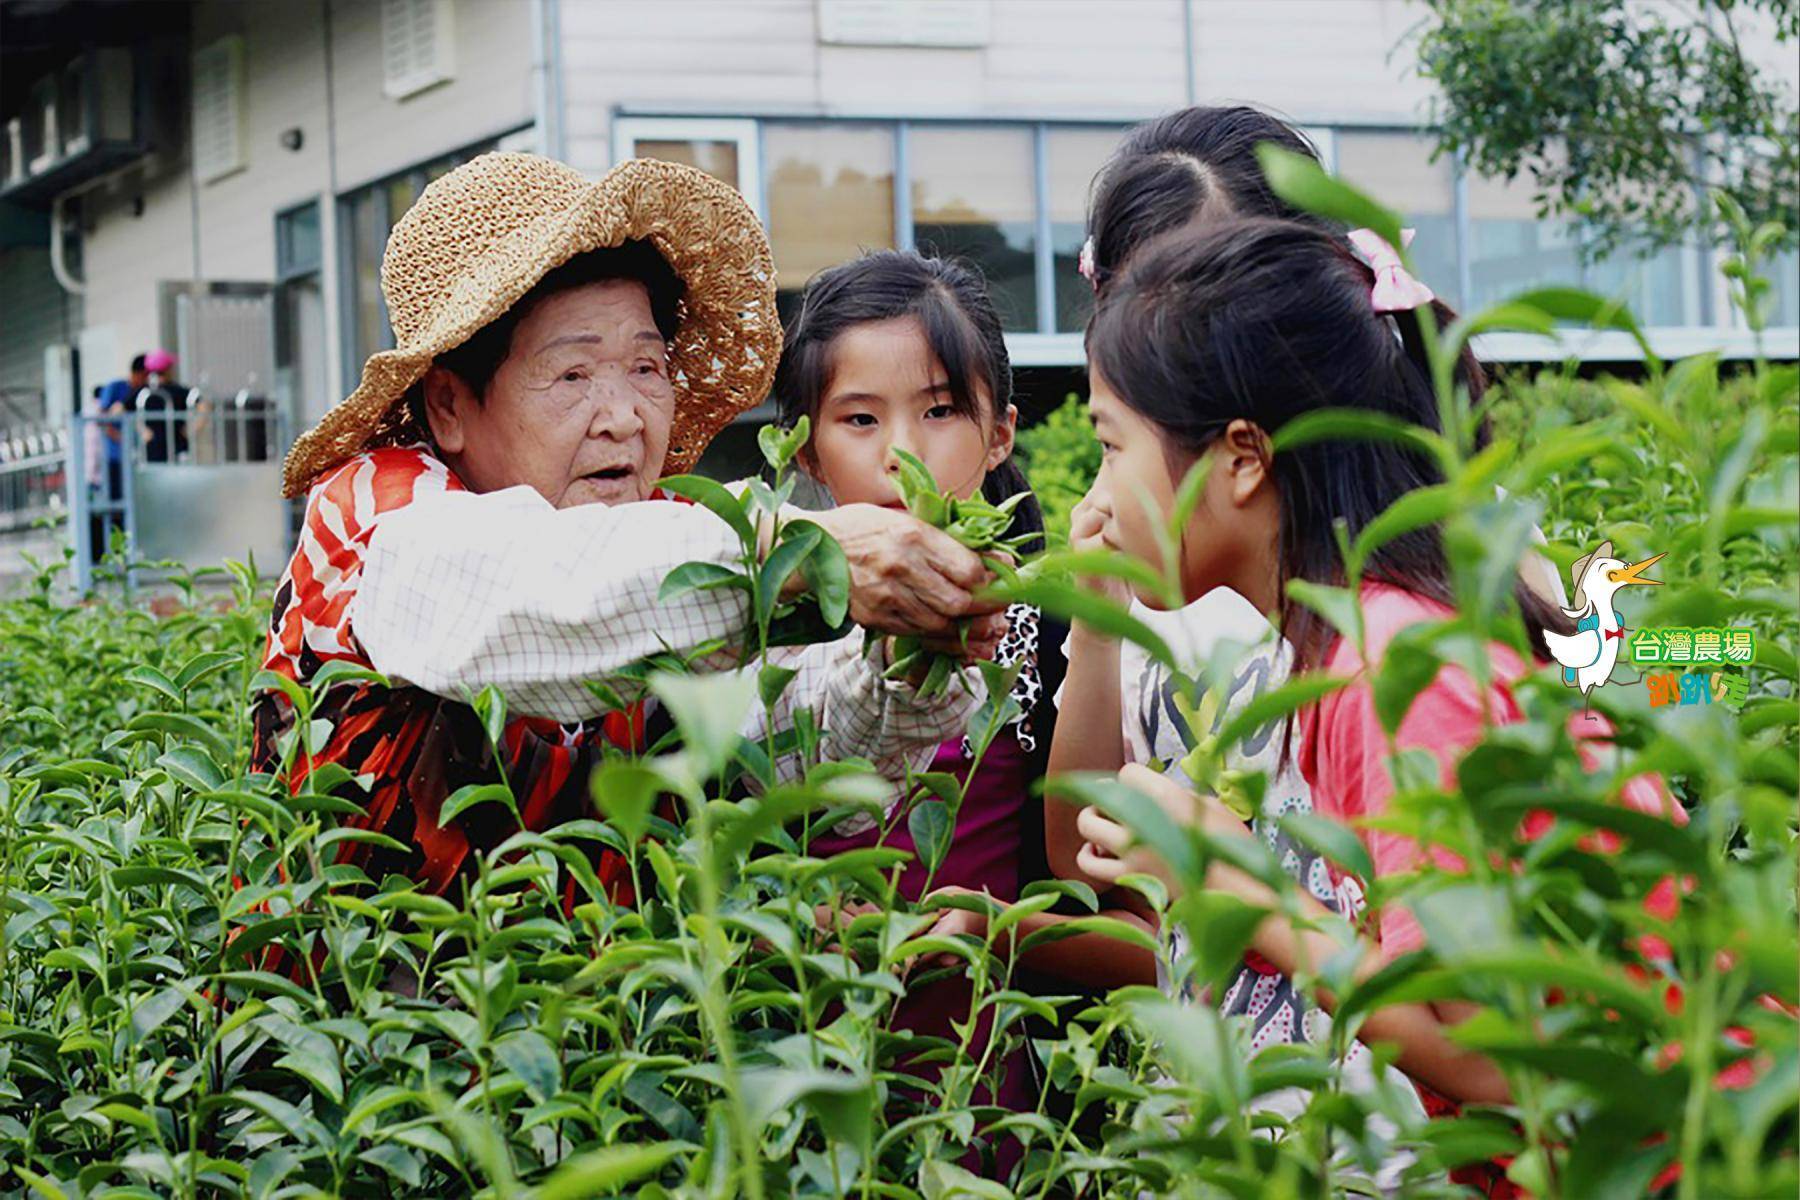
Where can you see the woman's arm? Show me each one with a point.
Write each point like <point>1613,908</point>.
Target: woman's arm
<point>460,591</point>
<point>862,713</point>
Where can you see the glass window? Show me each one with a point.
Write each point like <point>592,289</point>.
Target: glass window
<point>1511,249</point>
<point>717,158</point>
<point>1656,286</point>
<point>366,217</point>
<point>1396,169</point>
<point>297,249</point>
<point>1783,270</point>
<point>831,196</point>
<point>368,227</point>
<point>973,197</point>
<point>1072,158</point>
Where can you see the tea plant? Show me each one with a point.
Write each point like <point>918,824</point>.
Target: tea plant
<point>198,998</point>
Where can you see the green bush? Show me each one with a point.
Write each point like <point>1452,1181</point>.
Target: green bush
<point>1061,458</point>
<point>198,999</point>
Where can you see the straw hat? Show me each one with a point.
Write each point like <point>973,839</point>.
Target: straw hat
<point>483,235</point>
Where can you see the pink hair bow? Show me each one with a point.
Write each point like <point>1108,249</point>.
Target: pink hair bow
<point>1085,264</point>
<point>1395,288</point>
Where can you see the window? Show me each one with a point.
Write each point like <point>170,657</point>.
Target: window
<point>416,45</point>
<point>1662,287</point>
<point>1510,248</point>
<point>972,196</point>
<point>365,217</point>
<point>300,382</point>
<point>1072,158</point>
<point>218,109</point>
<point>724,149</point>
<point>1396,169</point>
<point>297,248</point>
<point>831,196</point>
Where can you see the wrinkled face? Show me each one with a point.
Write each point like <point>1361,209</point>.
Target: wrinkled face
<point>887,389</point>
<point>579,410</point>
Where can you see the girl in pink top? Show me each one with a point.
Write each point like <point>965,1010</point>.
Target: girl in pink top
<point>1211,341</point>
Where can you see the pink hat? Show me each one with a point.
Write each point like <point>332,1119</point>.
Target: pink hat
<point>158,360</point>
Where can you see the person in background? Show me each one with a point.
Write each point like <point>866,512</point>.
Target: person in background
<point>164,404</point>
<point>104,442</point>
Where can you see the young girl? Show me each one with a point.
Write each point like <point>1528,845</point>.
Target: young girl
<point>1189,169</point>
<point>1208,345</point>
<point>898,351</point>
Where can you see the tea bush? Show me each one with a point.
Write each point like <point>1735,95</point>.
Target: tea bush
<point>198,999</point>
<point>1061,458</point>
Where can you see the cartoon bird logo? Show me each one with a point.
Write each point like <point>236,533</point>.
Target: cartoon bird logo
<point>1589,654</point>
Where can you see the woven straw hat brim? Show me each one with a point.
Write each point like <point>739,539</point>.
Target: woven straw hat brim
<point>728,336</point>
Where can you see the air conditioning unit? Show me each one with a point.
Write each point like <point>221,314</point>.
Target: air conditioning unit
<point>79,122</point>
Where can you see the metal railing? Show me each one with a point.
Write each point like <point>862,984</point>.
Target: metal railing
<point>194,480</point>
<point>33,484</point>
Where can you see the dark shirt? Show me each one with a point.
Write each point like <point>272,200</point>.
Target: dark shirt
<point>166,398</point>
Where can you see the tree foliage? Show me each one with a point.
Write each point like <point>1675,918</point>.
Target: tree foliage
<point>1621,114</point>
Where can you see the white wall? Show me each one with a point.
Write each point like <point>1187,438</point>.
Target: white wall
<point>490,93</point>
<point>1312,60</point>
<point>225,229</point>
<point>1122,59</point>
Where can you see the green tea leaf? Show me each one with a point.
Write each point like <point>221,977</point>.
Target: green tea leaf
<point>712,495</point>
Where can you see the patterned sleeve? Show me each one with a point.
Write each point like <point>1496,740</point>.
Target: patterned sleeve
<point>862,714</point>
<point>311,619</point>
<point>461,591</point>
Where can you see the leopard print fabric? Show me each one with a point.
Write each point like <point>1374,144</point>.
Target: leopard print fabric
<point>1020,645</point>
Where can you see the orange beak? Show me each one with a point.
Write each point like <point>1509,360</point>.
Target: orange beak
<point>1631,574</point>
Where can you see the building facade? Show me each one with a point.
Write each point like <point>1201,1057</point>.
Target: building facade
<point>234,205</point>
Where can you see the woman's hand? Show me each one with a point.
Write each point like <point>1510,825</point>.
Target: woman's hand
<point>977,641</point>
<point>905,576</point>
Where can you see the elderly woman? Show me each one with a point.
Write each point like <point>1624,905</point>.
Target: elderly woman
<point>482,509</point>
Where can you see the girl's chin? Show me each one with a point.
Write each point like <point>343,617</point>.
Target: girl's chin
<point>1152,600</point>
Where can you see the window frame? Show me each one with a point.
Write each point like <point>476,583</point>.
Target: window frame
<point>443,44</point>
<point>351,357</point>
<point>744,132</point>
<point>230,50</point>
<point>286,266</point>
<point>1707,321</point>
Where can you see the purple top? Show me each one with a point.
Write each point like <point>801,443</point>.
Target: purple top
<point>985,852</point>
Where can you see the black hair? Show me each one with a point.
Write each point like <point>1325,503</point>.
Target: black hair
<point>951,303</point>
<point>1198,166</point>
<point>137,364</point>
<point>1265,320</point>
<point>476,360</point>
